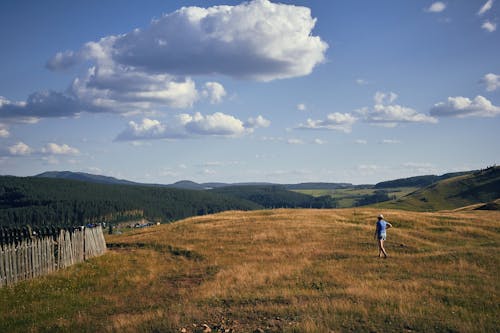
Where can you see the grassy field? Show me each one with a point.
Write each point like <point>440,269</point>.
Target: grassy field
<point>347,197</point>
<point>278,271</point>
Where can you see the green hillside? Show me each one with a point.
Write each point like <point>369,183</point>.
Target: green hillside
<point>61,202</point>
<point>477,187</point>
<point>418,181</point>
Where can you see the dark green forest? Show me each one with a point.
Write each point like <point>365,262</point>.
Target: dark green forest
<point>60,202</point>
<point>276,196</point>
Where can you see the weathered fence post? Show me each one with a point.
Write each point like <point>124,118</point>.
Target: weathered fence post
<point>26,254</point>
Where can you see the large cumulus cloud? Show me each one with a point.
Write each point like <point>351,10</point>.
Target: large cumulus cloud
<point>153,68</point>
<point>256,40</point>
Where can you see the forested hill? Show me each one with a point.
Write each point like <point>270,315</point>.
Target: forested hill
<point>61,202</point>
<point>276,196</point>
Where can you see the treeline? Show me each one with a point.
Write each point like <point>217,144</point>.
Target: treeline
<point>276,196</point>
<point>376,197</point>
<point>418,181</point>
<point>45,202</point>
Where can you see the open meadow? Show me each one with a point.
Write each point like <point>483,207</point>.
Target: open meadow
<point>286,270</point>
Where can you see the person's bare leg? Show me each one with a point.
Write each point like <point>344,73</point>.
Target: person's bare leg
<point>381,248</point>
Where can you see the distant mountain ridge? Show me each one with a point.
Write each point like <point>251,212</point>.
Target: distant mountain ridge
<point>86,177</point>
<point>182,184</point>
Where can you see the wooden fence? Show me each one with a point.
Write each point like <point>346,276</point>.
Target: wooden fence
<point>27,257</point>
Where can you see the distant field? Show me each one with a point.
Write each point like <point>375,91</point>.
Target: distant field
<point>346,198</point>
<point>279,271</point>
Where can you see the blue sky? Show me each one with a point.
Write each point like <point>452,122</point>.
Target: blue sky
<point>230,91</point>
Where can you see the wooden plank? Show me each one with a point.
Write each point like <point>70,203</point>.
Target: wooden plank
<point>9,264</point>
<point>2,267</point>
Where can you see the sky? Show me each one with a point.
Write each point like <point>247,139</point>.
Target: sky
<point>257,91</point>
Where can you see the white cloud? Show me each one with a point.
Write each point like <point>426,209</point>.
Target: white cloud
<point>385,113</point>
<point>254,40</point>
<point>492,81</point>
<point>361,142</point>
<point>301,107</point>
<point>390,142</point>
<point>361,82</point>
<point>384,98</point>
<point>464,107</point>
<point>420,168</point>
<point>55,149</point>
<point>147,129</point>
<point>4,131</point>
<point>150,69</point>
<point>334,121</point>
<point>257,122</point>
<point>218,124</point>
<point>368,169</point>
<point>295,142</point>
<point>436,7</point>
<point>319,142</point>
<point>21,149</point>
<point>188,126</point>
<point>214,91</point>
<point>484,8</point>
<point>108,87</point>
<point>489,26</point>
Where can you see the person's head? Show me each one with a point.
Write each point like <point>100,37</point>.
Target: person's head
<point>380,217</point>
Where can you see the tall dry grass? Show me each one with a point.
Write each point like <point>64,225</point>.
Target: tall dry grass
<point>278,270</point>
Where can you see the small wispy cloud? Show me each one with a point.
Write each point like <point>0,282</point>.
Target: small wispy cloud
<point>489,26</point>
<point>492,81</point>
<point>361,82</point>
<point>56,149</point>
<point>214,91</point>
<point>390,142</point>
<point>319,142</point>
<point>4,131</point>
<point>51,149</point>
<point>295,142</point>
<point>486,7</point>
<point>301,107</point>
<point>420,168</point>
<point>436,7</point>
<point>334,121</point>
<point>20,149</point>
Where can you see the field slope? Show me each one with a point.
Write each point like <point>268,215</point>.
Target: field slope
<point>277,270</point>
<point>477,187</point>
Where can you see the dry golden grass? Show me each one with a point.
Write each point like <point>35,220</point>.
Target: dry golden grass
<point>278,270</point>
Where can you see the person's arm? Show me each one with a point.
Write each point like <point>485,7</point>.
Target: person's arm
<point>388,225</point>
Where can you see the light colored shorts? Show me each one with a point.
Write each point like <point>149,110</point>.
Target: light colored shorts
<point>382,236</point>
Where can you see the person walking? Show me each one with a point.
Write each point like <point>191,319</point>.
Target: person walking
<point>381,234</point>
